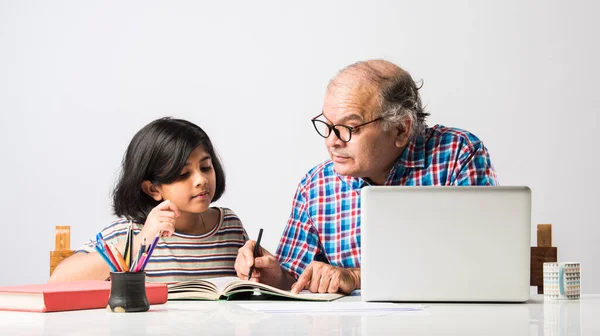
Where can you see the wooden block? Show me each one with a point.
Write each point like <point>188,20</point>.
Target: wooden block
<point>62,247</point>
<point>544,235</point>
<point>540,255</point>
<point>63,238</point>
<point>56,257</point>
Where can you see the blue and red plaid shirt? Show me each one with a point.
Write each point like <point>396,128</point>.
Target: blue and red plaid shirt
<point>325,221</point>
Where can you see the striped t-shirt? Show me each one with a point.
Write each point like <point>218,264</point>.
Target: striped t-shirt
<point>183,257</point>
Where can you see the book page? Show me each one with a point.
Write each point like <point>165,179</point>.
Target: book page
<point>203,289</point>
<point>193,285</point>
<point>213,288</point>
<point>239,286</point>
<point>222,283</point>
<point>193,295</point>
<point>194,290</point>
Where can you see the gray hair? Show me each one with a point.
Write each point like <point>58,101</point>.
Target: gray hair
<point>401,100</point>
<point>398,94</point>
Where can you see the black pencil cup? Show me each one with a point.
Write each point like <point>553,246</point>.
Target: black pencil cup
<point>127,292</point>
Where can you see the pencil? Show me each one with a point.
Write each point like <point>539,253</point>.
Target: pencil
<point>140,263</point>
<point>119,258</point>
<point>131,256</point>
<point>256,251</point>
<point>110,255</point>
<point>128,247</point>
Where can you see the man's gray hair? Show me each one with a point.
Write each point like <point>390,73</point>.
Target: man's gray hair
<point>398,93</point>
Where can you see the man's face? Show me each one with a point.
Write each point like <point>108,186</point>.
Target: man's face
<point>371,151</point>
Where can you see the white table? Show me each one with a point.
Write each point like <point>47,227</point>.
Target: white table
<point>227,318</point>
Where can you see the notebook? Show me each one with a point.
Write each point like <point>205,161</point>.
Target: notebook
<point>228,288</point>
<point>443,244</point>
<point>76,295</point>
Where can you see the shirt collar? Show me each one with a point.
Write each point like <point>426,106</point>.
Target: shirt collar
<point>356,183</point>
<point>413,156</point>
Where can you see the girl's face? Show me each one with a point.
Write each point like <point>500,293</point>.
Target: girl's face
<point>194,190</point>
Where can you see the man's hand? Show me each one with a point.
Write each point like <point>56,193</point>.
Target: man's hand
<point>320,277</point>
<point>266,268</point>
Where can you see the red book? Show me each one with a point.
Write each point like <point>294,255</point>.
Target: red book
<point>76,295</point>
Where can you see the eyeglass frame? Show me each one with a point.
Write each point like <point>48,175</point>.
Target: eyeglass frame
<point>351,129</point>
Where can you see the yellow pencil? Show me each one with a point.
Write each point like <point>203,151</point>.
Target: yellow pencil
<point>128,245</point>
<point>119,258</point>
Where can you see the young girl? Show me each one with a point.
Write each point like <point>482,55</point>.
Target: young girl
<point>171,174</point>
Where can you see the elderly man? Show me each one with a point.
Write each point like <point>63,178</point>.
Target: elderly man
<point>375,131</point>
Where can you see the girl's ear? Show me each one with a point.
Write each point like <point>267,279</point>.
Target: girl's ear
<point>151,190</point>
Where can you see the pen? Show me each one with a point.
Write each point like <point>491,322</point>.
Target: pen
<point>104,256</point>
<point>150,250</point>
<point>139,255</point>
<point>256,250</point>
<point>99,239</point>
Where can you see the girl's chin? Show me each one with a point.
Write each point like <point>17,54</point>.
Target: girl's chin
<point>194,209</point>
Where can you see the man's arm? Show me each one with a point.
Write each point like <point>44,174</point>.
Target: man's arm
<point>300,241</point>
<point>298,245</point>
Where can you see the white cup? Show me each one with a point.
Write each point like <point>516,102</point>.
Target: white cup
<point>562,280</point>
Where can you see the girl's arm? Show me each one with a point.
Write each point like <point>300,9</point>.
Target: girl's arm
<point>81,266</point>
<point>88,266</point>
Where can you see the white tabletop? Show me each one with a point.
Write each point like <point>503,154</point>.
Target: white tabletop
<point>535,317</point>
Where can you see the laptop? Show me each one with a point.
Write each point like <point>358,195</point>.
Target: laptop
<point>445,244</point>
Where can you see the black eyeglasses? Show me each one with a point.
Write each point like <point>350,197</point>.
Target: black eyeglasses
<point>343,132</point>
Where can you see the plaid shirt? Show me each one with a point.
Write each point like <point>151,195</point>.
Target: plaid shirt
<point>325,221</point>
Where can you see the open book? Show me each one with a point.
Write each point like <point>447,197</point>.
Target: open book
<point>227,288</point>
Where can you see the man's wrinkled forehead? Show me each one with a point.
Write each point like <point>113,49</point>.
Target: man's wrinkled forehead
<point>350,96</point>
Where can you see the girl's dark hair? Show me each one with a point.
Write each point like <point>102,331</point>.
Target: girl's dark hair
<point>158,152</point>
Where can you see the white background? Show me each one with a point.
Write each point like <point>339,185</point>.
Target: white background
<point>79,78</point>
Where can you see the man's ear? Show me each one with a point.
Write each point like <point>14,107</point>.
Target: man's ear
<point>403,132</point>
<point>151,190</point>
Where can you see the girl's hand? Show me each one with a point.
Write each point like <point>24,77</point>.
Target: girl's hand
<point>161,218</point>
